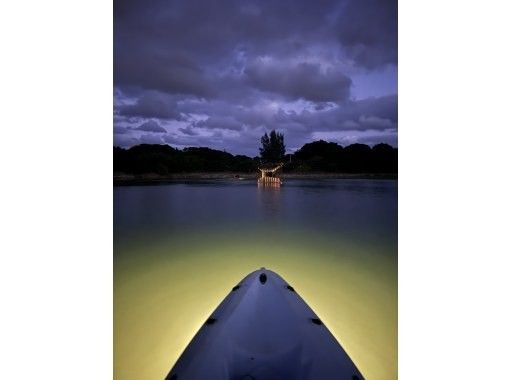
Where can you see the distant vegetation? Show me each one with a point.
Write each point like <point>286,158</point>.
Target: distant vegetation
<point>323,156</point>
<point>163,159</point>
<point>318,156</point>
<point>272,147</point>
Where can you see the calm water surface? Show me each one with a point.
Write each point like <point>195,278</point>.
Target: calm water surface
<point>179,248</point>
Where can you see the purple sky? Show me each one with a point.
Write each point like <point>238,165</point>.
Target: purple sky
<point>220,74</point>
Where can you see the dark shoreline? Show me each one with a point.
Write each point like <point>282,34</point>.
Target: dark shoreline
<point>152,179</point>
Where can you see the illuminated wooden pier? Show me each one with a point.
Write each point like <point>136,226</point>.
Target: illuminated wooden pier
<point>269,176</point>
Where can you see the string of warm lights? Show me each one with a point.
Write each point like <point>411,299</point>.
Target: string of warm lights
<point>271,180</point>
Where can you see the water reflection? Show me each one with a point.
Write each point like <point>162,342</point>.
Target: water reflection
<point>270,202</point>
<point>358,209</point>
<point>180,248</point>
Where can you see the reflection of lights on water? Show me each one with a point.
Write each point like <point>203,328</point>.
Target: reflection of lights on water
<point>164,293</point>
<point>269,182</point>
<point>269,197</point>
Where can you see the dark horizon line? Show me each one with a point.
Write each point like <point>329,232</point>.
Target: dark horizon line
<point>286,154</point>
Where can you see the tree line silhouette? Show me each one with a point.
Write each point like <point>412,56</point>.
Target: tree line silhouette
<point>317,156</point>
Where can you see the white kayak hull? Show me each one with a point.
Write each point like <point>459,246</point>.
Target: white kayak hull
<point>263,330</point>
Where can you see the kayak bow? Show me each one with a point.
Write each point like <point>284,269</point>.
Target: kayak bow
<point>263,330</point>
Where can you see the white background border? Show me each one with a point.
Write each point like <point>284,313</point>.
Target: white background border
<point>56,190</point>
<point>454,190</point>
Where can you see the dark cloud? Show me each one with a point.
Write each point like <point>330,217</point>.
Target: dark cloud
<point>355,116</point>
<point>184,46</point>
<point>161,71</point>
<point>235,128</point>
<point>118,130</point>
<point>189,131</point>
<point>219,74</point>
<point>299,81</point>
<point>367,30</point>
<point>220,122</point>
<point>151,104</point>
<point>150,139</point>
<point>372,113</point>
<point>151,126</point>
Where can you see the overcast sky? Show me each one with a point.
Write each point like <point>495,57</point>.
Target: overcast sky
<point>220,74</point>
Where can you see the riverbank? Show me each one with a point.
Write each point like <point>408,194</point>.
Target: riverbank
<point>120,179</point>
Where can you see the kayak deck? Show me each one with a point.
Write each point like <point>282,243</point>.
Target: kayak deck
<point>263,330</point>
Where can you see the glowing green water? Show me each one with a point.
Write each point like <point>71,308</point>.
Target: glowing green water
<point>171,271</point>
